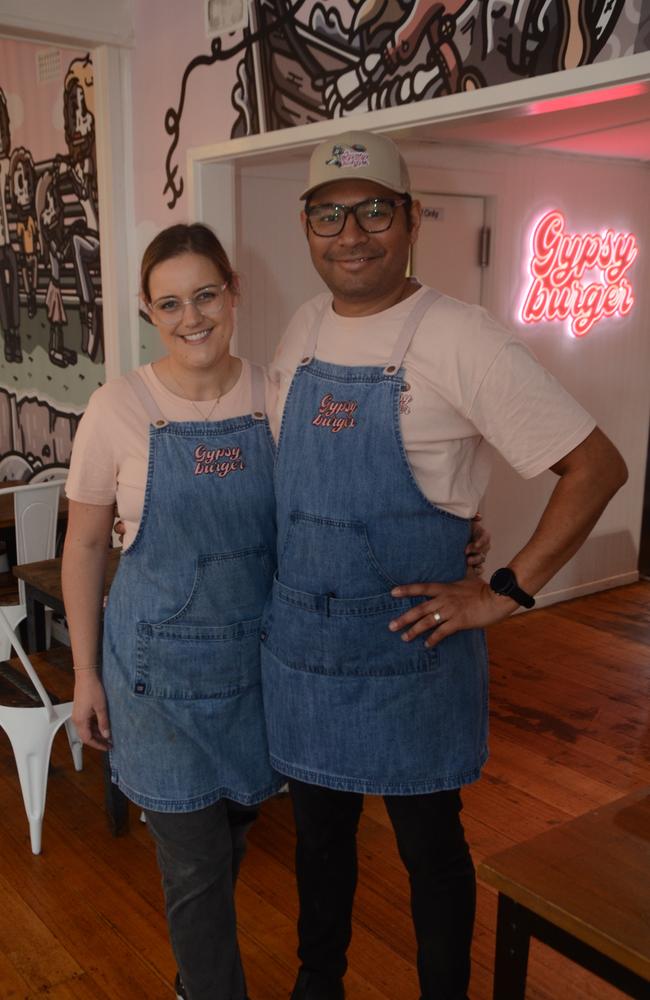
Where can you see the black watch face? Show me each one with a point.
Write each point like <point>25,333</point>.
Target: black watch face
<point>503,581</point>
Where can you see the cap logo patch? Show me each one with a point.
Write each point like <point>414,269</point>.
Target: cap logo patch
<point>348,156</point>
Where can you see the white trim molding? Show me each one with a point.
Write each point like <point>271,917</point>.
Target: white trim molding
<point>599,82</point>
<point>85,23</point>
<point>114,138</point>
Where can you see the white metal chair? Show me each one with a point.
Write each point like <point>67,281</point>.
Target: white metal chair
<point>31,731</point>
<point>36,511</point>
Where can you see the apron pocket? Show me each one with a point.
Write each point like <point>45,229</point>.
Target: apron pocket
<point>227,586</point>
<point>189,662</point>
<point>342,637</point>
<point>331,555</point>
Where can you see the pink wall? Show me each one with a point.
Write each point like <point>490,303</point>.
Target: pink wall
<point>165,44</point>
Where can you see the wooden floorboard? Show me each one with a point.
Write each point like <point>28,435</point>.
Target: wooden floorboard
<point>570,697</point>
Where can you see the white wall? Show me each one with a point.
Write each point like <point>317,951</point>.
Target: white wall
<point>607,370</point>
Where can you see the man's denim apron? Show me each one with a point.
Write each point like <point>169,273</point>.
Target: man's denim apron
<point>349,705</point>
<point>181,664</point>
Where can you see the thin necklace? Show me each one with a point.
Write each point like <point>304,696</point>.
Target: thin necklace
<point>204,416</point>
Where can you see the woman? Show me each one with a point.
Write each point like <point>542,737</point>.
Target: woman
<point>184,448</point>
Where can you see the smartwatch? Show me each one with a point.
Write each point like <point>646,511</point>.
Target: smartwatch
<point>504,582</point>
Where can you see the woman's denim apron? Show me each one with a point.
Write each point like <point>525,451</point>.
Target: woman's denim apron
<point>181,664</point>
<point>349,705</point>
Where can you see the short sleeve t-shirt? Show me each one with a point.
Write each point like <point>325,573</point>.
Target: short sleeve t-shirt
<point>111,447</point>
<point>471,384</point>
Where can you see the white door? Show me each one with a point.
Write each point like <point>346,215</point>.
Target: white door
<point>448,252</point>
<point>277,274</point>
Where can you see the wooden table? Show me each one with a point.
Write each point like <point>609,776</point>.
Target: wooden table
<point>583,888</point>
<point>43,590</point>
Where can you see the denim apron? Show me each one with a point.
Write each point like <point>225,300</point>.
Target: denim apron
<point>181,665</point>
<point>349,705</point>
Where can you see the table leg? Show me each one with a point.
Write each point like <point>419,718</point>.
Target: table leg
<point>35,621</point>
<point>511,959</point>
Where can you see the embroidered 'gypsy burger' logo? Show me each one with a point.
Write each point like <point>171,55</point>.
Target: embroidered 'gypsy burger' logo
<point>217,461</point>
<point>335,414</point>
<point>348,156</point>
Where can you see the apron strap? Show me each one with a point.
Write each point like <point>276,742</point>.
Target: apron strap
<point>408,330</point>
<point>312,337</point>
<point>258,392</point>
<point>149,404</point>
<point>403,341</point>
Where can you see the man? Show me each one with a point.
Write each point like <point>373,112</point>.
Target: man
<point>374,662</point>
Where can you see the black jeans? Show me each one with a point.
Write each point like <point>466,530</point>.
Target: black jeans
<point>432,846</point>
<point>199,854</point>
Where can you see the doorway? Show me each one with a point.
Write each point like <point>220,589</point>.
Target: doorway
<point>450,252</point>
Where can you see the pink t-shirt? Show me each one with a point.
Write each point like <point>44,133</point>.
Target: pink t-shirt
<point>471,384</point>
<point>111,447</point>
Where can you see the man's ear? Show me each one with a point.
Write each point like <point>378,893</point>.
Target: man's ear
<point>304,223</point>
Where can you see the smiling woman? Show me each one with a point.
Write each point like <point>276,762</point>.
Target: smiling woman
<point>185,449</point>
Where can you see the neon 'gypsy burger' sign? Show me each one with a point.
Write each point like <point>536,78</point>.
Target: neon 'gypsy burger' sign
<point>578,278</point>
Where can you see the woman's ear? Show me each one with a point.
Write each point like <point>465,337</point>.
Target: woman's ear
<point>234,287</point>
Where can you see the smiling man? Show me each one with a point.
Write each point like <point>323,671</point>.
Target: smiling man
<point>374,660</point>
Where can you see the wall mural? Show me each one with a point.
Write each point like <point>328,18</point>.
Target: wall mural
<point>300,61</point>
<point>49,279</point>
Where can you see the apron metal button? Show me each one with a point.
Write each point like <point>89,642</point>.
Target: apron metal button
<point>263,636</point>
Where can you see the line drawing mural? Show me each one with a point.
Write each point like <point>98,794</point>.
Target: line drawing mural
<point>50,280</point>
<point>9,304</point>
<point>301,62</point>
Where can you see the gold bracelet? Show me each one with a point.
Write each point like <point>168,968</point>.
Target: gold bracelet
<point>92,666</point>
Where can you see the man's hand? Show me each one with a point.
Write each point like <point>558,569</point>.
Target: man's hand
<point>468,603</point>
<point>478,548</point>
<point>89,712</point>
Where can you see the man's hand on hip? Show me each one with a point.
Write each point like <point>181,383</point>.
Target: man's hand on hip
<point>450,607</point>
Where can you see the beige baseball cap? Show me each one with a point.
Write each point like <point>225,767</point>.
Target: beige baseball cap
<point>354,155</point>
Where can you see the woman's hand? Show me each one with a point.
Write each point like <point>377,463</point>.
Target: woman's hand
<point>89,711</point>
<point>478,547</point>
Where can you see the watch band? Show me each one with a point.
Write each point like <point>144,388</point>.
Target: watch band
<point>504,582</point>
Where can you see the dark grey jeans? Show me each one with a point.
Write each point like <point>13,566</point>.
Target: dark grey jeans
<point>199,854</point>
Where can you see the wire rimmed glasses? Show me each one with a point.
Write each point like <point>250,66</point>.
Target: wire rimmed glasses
<point>373,215</point>
<point>208,301</point>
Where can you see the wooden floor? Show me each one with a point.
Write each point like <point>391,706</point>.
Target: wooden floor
<point>569,731</point>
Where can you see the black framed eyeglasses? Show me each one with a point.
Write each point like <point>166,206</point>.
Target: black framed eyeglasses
<point>373,215</point>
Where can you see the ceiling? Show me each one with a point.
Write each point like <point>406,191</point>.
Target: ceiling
<point>610,123</point>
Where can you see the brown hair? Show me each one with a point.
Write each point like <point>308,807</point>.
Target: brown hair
<point>182,238</point>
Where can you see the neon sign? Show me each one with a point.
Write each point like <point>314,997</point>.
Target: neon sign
<point>579,278</point>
